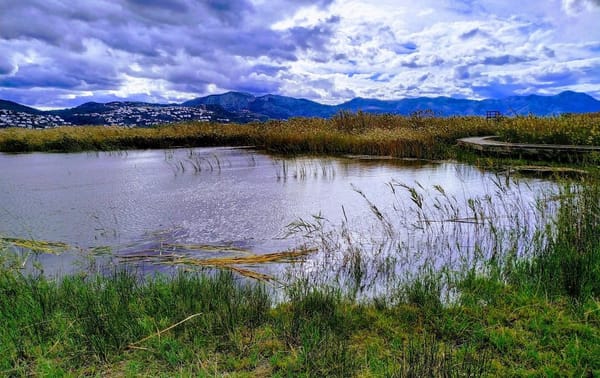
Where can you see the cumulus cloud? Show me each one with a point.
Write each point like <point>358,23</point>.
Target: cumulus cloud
<point>64,52</point>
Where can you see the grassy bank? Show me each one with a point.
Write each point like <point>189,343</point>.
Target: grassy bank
<point>196,325</point>
<point>528,306</point>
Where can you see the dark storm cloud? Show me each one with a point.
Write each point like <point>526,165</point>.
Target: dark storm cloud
<point>315,38</point>
<point>6,67</point>
<point>229,11</point>
<point>91,44</point>
<point>257,86</point>
<point>267,69</point>
<point>39,76</point>
<point>171,5</point>
<point>502,60</point>
<point>65,77</point>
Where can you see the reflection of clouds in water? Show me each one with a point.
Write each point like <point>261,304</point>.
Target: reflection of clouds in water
<point>239,201</point>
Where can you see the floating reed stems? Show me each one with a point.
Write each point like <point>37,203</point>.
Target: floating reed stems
<point>227,263</point>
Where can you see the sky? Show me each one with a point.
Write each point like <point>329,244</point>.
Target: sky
<point>58,53</point>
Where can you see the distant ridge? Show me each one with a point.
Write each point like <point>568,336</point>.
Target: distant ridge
<point>281,107</point>
<point>267,106</point>
<point>15,107</point>
<point>245,107</point>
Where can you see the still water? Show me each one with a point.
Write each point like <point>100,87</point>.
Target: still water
<point>135,200</point>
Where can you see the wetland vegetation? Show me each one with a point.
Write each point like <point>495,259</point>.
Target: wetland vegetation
<point>421,135</point>
<point>494,284</point>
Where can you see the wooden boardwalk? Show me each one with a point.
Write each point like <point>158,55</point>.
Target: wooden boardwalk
<point>488,144</point>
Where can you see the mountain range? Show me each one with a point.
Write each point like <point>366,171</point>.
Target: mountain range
<point>245,107</point>
<point>281,107</point>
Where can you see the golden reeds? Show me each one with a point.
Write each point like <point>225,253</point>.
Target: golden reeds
<point>39,246</point>
<point>227,263</point>
<point>360,133</point>
<point>420,135</point>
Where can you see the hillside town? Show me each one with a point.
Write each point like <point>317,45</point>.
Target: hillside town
<point>111,114</point>
<point>9,118</point>
<point>119,114</point>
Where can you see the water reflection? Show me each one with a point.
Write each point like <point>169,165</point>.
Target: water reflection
<point>154,201</point>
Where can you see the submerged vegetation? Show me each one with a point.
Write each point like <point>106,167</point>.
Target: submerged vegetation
<point>490,285</point>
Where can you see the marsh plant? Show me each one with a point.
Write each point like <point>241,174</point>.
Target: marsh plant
<point>577,129</point>
<point>429,232</point>
<point>193,161</point>
<point>303,168</point>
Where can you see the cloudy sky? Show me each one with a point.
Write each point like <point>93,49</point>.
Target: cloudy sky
<point>57,53</point>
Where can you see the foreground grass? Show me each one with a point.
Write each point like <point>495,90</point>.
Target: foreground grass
<point>200,325</point>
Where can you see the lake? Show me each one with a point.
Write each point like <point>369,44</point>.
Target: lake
<point>210,201</point>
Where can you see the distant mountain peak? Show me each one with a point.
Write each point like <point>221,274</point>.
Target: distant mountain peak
<point>16,107</point>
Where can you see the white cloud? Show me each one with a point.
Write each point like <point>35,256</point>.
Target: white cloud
<point>452,52</point>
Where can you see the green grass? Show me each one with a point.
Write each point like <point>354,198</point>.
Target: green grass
<point>116,326</point>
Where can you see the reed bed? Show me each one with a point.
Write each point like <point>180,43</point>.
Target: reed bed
<point>360,133</point>
<point>420,135</point>
<point>568,129</point>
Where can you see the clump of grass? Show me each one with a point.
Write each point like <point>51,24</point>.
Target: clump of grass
<point>425,356</point>
<point>570,262</point>
<point>90,320</point>
<point>39,246</point>
<point>226,263</point>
